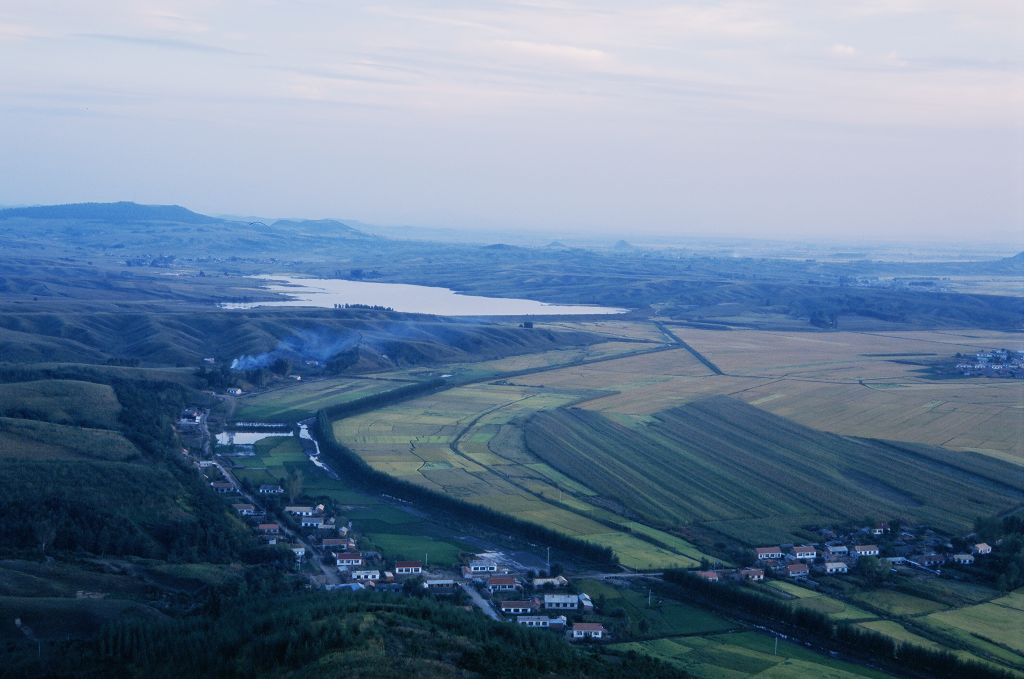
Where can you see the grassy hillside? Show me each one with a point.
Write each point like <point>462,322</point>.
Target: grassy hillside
<point>62,402</point>
<point>361,339</point>
<point>43,440</point>
<point>758,477</point>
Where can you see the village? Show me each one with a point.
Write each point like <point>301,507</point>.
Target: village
<point>992,363</point>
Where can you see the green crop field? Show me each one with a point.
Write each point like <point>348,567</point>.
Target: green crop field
<point>69,402</point>
<point>993,622</point>
<point>35,440</point>
<point>664,617</point>
<point>302,400</point>
<point>463,442</point>
<point>897,603</point>
<point>720,459</point>
<point>746,654</point>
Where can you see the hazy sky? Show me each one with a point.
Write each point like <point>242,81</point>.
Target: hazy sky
<point>895,119</point>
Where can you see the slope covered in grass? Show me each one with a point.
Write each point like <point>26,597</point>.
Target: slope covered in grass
<point>720,459</point>
<point>62,402</point>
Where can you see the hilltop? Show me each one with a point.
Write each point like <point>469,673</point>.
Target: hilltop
<point>122,212</point>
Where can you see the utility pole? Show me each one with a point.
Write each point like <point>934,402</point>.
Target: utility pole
<point>776,651</point>
<point>648,597</point>
<point>549,562</point>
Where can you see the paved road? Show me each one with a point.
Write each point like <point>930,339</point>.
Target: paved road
<point>478,601</point>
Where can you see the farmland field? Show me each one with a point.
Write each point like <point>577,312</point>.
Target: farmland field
<point>995,622</point>
<point>32,439</point>
<point>897,603</point>
<point>69,402</point>
<point>303,400</point>
<point>463,442</point>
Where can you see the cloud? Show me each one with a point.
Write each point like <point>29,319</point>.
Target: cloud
<point>841,50</point>
<point>163,43</point>
<point>554,51</point>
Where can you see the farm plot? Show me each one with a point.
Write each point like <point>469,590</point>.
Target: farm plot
<point>458,442</point>
<point>720,459</point>
<point>665,617</point>
<point>898,604</point>
<point>302,400</point>
<point>994,622</point>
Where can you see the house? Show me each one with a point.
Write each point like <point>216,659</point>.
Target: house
<point>557,623</point>
<point>348,559</point>
<point>299,551</point>
<point>708,576</point>
<point>518,607</point>
<point>439,585</point>
<point>928,560</point>
<point>880,528</point>
<point>561,601</point>
<point>833,567</point>
<point>837,550</point>
<point>804,552</point>
<point>269,528</point>
<point>588,630</point>
<point>269,489</point>
<point>349,586</point>
<point>765,553</point>
<point>334,542</point>
<point>755,574</point>
<point>963,559</point>
<point>586,603</point>
<point>408,567</point>
<point>502,583</point>
<point>234,391</point>
<point>223,486</point>
<point>366,575</point>
<point>557,581</point>
<point>299,510</point>
<point>865,550</point>
<point>312,522</point>
<point>244,509</point>
<point>483,567</point>
<point>534,620</point>
<point>981,549</point>
<point>797,570</point>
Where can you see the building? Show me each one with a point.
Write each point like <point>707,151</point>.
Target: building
<point>299,510</point>
<point>518,607</point>
<point>408,567</point>
<point>835,551</point>
<point>244,509</point>
<point>963,559</point>
<point>269,528</point>
<point>880,528</point>
<point>981,549</point>
<point>534,621</point>
<point>234,391</point>
<point>366,575</point>
<point>588,630</point>
<point>312,522</point>
<point>766,553</point>
<point>299,551</point>
<point>561,601</point>
<point>557,581</point>
<point>928,560</point>
<point>865,550</point>
<point>348,559</point>
<point>797,570</point>
<point>223,486</point>
<point>483,567</point>
<point>755,574</point>
<point>334,542</point>
<point>804,552</point>
<point>708,576</point>
<point>439,585</point>
<point>586,603</point>
<point>269,489</point>
<point>833,567</point>
<point>502,583</point>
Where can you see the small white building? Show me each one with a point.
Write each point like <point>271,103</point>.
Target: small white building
<point>766,553</point>
<point>366,575</point>
<point>408,567</point>
<point>981,549</point>
<point>299,510</point>
<point>834,567</point>
<point>561,601</point>
<point>483,567</point>
<point>963,559</point>
<point>837,550</point>
<point>588,630</point>
<point>865,550</point>
<point>804,552</point>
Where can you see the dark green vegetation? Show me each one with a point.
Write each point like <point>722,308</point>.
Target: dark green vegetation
<point>317,635</point>
<point>721,461</point>
<point>907,658</point>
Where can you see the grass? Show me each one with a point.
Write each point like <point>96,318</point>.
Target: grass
<point>665,617</point>
<point>809,599</point>
<point>63,618</point>
<point>897,603</point>
<point>35,440</point>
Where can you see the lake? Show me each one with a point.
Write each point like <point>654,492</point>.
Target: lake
<point>419,299</point>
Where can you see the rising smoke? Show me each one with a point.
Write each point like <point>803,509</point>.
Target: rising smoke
<point>320,345</point>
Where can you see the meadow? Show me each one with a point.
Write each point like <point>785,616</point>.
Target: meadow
<point>301,401</point>
<point>69,402</point>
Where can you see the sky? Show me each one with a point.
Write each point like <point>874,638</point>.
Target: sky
<point>867,120</point>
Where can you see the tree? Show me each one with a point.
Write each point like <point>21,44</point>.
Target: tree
<point>293,484</point>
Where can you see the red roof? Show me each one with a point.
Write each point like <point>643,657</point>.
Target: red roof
<point>769,550</point>
<point>408,564</point>
<point>517,604</point>
<point>587,627</point>
<point>797,568</point>
<point>501,580</point>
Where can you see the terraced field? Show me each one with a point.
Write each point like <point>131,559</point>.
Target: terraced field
<point>720,461</point>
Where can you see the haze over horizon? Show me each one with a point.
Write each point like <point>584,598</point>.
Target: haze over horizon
<point>887,120</point>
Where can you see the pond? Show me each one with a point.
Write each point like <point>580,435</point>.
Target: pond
<point>420,299</point>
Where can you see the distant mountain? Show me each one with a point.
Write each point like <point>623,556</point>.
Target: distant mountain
<point>123,212</point>
<point>330,227</point>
